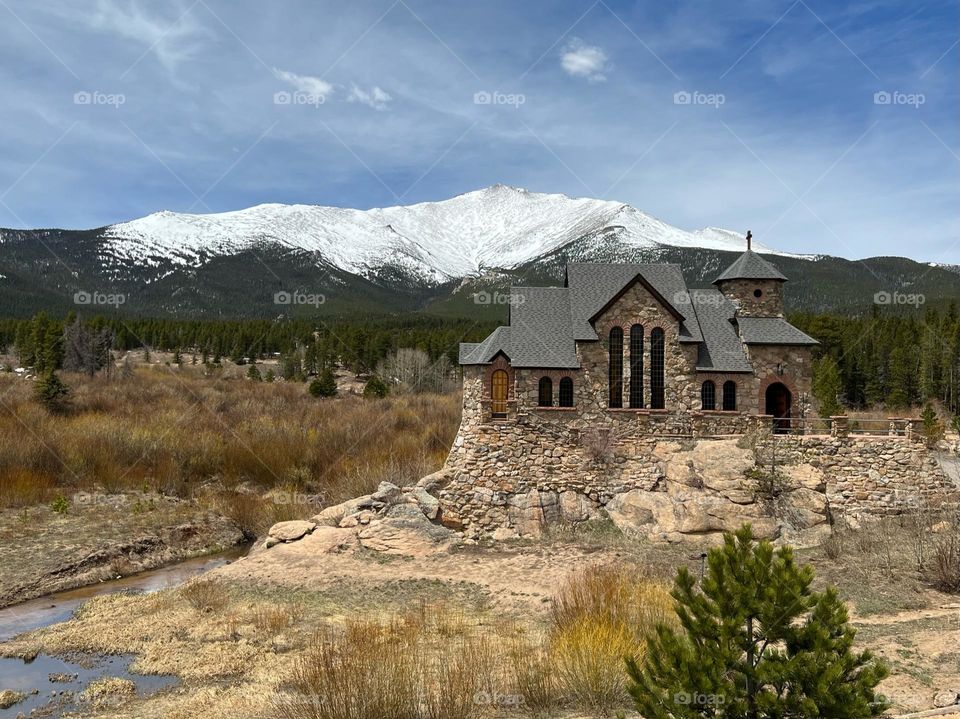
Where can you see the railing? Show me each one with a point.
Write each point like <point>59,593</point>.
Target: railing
<point>842,426</point>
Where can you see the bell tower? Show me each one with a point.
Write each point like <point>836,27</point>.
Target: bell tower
<point>753,285</point>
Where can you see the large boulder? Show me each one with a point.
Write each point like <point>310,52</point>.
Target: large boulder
<point>291,531</point>
<point>529,513</point>
<point>946,698</point>
<point>674,516</point>
<point>406,531</point>
<point>429,505</point>
<point>803,508</point>
<point>716,465</point>
<point>437,480</point>
<point>387,493</point>
<point>804,476</point>
<point>577,507</point>
<point>642,513</point>
<point>331,516</point>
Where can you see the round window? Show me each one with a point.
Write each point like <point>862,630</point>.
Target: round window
<point>758,293</point>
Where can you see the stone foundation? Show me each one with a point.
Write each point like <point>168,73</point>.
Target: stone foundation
<point>514,478</point>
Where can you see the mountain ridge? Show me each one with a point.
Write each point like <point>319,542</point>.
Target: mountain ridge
<point>400,258</point>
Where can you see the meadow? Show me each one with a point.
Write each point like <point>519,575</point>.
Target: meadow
<point>181,432</point>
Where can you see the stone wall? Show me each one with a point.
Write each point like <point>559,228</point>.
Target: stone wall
<point>866,475</point>
<point>518,476</point>
<point>742,294</point>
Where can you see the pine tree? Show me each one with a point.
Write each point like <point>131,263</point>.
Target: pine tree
<point>756,642</point>
<point>827,386</point>
<point>269,376</point>
<point>375,387</point>
<point>253,373</point>
<point>325,385</point>
<point>51,392</point>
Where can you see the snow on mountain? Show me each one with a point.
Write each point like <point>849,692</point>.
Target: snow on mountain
<point>499,227</point>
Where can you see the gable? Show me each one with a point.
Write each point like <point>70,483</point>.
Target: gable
<point>651,294</point>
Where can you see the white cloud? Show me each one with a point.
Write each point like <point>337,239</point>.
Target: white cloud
<point>305,83</point>
<point>579,60</point>
<point>374,97</point>
<point>172,39</point>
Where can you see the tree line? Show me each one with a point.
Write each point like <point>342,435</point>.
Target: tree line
<point>879,359</point>
<point>886,360</point>
<point>304,347</point>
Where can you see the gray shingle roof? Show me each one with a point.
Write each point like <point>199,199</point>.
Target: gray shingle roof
<point>483,352</point>
<point>750,266</point>
<point>541,328</point>
<point>721,350</point>
<point>547,322</point>
<point>593,284</point>
<point>771,331</point>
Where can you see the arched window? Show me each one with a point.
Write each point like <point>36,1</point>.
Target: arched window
<point>546,392</point>
<point>616,367</point>
<point>729,396</point>
<point>566,392</point>
<point>499,392</point>
<point>656,369</point>
<point>636,367</point>
<point>708,395</point>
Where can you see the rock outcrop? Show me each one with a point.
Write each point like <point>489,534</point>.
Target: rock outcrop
<point>392,520</point>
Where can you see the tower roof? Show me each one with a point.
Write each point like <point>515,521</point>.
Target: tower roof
<point>750,266</point>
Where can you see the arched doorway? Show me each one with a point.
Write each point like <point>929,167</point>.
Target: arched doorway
<point>778,404</point>
<point>498,393</point>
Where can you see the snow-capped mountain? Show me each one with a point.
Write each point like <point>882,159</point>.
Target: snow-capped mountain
<point>433,257</point>
<point>498,227</point>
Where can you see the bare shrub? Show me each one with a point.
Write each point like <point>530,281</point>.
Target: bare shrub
<point>244,509</point>
<point>206,595</point>
<point>945,564</point>
<point>833,546</point>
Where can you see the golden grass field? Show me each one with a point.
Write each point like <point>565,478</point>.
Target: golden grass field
<point>176,431</point>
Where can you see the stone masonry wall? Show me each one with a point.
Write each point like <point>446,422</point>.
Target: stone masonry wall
<point>866,475</point>
<point>517,476</point>
<point>741,293</point>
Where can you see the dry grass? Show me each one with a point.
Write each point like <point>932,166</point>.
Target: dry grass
<point>206,595</point>
<point>599,618</point>
<point>400,667</point>
<point>175,432</point>
<point>434,662</point>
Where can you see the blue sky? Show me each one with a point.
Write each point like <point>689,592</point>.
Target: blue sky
<point>760,115</point>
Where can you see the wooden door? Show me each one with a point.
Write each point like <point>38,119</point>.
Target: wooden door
<point>498,393</point>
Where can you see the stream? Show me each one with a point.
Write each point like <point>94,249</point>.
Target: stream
<point>52,685</point>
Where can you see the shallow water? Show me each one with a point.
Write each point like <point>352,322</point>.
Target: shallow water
<point>59,607</point>
<point>55,698</point>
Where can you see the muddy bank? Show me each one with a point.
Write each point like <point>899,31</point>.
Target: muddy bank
<point>43,551</point>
